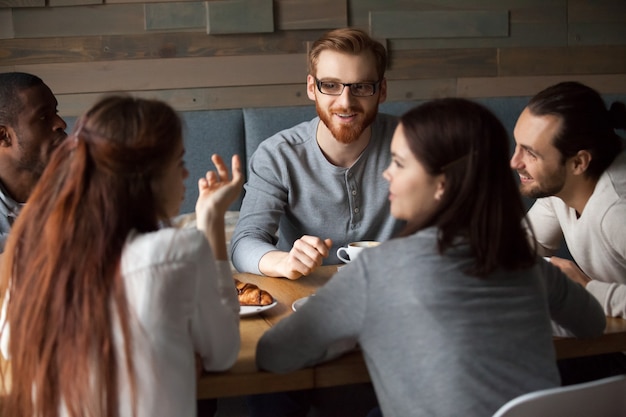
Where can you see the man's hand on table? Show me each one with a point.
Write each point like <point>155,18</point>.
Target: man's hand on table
<point>570,269</point>
<point>307,253</point>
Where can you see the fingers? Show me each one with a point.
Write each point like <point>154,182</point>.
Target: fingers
<point>222,169</point>
<point>307,253</point>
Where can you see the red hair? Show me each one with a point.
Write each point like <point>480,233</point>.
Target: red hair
<point>62,261</point>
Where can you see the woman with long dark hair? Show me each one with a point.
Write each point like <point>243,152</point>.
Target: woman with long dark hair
<point>104,304</point>
<point>453,317</point>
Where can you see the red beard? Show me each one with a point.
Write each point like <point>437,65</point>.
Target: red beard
<point>344,132</point>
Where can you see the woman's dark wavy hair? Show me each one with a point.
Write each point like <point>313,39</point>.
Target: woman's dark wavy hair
<point>62,262</point>
<point>586,124</point>
<point>481,204</point>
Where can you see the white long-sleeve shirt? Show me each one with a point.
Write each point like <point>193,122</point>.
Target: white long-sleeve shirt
<point>181,301</point>
<point>596,239</point>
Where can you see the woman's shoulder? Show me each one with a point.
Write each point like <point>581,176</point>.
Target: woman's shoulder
<point>167,245</point>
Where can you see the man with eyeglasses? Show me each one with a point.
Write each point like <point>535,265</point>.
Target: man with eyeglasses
<point>318,185</point>
<point>30,129</point>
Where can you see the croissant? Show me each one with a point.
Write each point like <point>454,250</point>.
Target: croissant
<point>251,295</point>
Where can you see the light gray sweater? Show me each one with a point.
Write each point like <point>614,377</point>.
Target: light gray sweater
<point>436,341</point>
<point>293,190</point>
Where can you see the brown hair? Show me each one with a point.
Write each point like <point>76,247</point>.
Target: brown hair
<point>62,262</point>
<point>481,203</point>
<point>349,41</point>
<point>586,124</point>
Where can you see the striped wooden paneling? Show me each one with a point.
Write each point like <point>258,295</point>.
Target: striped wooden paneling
<point>194,99</point>
<point>528,86</point>
<point>407,90</point>
<point>532,22</point>
<point>311,14</point>
<point>78,21</point>
<point>437,63</point>
<point>184,15</point>
<point>156,74</point>
<point>439,24</point>
<point>566,60</point>
<point>63,3</point>
<point>6,24</point>
<point>151,45</point>
<point>597,33</point>
<point>22,3</point>
<point>240,16</point>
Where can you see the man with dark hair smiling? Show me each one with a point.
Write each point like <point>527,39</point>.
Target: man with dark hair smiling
<point>30,130</point>
<point>569,157</point>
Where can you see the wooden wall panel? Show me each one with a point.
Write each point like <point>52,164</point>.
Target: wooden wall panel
<point>155,74</point>
<point>433,63</point>
<point>439,24</point>
<point>78,21</point>
<point>22,3</point>
<point>407,90</point>
<point>63,3</point>
<point>187,15</point>
<point>528,86</point>
<point>240,16</point>
<point>162,48</point>
<point>597,33</point>
<point>193,99</point>
<point>6,24</point>
<point>151,45</point>
<point>568,60</point>
<point>310,14</point>
<point>532,22</point>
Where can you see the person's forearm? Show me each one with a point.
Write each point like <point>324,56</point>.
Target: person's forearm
<point>268,264</point>
<point>213,227</point>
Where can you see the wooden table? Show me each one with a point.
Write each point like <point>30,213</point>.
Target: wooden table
<point>244,378</point>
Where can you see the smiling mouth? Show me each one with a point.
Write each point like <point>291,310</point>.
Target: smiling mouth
<point>524,178</point>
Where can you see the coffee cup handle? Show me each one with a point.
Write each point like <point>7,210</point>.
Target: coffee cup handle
<point>346,260</point>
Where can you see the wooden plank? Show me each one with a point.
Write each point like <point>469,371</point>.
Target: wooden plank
<point>211,98</point>
<point>151,45</point>
<point>78,21</point>
<point>63,3</point>
<point>564,60</point>
<point>407,90</point>
<point>437,63</point>
<point>311,14</point>
<point>240,16</point>
<point>6,25</point>
<point>581,11</point>
<point>154,74</point>
<point>528,86</point>
<point>532,22</point>
<point>187,15</point>
<point>22,3</point>
<point>597,33</point>
<point>439,24</point>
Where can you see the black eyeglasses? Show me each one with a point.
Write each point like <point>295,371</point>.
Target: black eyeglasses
<point>334,88</point>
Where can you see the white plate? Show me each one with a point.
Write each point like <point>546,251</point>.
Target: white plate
<point>299,303</point>
<point>245,311</point>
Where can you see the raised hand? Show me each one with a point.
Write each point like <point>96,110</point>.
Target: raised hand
<point>217,191</point>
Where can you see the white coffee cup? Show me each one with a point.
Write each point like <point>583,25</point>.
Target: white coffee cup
<point>354,249</point>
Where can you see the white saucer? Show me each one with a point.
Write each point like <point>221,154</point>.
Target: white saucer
<point>245,311</point>
<point>299,302</point>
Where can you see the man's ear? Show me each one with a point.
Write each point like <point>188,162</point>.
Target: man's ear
<point>580,162</point>
<point>310,87</point>
<point>6,136</point>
